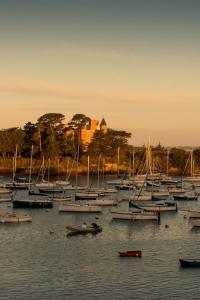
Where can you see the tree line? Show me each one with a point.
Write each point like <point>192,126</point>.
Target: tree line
<point>52,139</point>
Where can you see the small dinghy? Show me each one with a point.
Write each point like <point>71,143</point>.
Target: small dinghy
<point>84,229</point>
<point>189,263</point>
<point>133,253</point>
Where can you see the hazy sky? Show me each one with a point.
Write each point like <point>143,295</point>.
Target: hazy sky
<point>137,63</point>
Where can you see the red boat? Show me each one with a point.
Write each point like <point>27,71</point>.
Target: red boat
<point>134,253</point>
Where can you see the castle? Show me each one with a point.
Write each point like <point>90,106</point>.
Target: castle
<point>87,132</point>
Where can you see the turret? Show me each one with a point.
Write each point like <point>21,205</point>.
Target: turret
<point>103,126</point>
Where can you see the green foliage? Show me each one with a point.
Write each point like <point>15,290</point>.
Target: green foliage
<point>178,158</point>
<point>107,144</point>
<point>79,121</point>
<point>52,137</point>
<point>9,138</point>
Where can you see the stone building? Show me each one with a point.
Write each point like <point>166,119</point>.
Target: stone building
<point>87,132</point>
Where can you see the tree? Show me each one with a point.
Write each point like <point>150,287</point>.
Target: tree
<point>29,138</point>
<point>78,122</point>
<point>51,134</point>
<point>108,143</point>
<point>178,158</point>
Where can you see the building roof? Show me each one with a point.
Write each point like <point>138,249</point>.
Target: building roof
<point>103,122</point>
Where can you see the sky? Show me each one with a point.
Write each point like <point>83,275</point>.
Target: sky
<point>134,62</point>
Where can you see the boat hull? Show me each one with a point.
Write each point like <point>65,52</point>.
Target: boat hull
<point>134,216</point>
<point>32,204</point>
<point>134,253</point>
<point>189,263</point>
<point>80,208</point>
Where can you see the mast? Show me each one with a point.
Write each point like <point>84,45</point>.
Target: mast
<point>118,153</point>
<point>15,162</point>
<point>133,163</point>
<point>98,171</point>
<point>191,163</point>
<point>88,171</point>
<point>168,150</point>
<point>31,162</point>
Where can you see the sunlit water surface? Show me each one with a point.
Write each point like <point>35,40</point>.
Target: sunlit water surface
<point>39,261</point>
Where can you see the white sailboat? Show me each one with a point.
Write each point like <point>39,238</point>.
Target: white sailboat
<point>193,177</point>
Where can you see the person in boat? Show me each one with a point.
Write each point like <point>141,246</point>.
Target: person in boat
<point>94,225</point>
<point>84,225</point>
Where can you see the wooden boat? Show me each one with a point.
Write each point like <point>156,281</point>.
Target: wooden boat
<point>133,253</point>
<point>4,191</point>
<point>153,184</point>
<point>185,197</point>
<point>61,198</point>
<point>16,186</point>
<point>62,183</point>
<point>128,215</point>
<point>194,214</point>
<point>124,187</point>
<point>159,207</point>
<point>32,203</point>
<point>51,190</point>
<point>189,263</point>
<point>80,208</point>
<point>177,191</point>
<point>84,229</point>
<point>86,196</point>
<point>169,181</point>
<point>33,193</point>
<point>99,202</point>
<point>2,200</point>
<point>196,223</point>
<point>14,218</point>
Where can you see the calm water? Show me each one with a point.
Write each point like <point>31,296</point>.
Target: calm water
<point>38,265</point>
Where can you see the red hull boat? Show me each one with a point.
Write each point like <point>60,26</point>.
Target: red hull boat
<point>134,253</point>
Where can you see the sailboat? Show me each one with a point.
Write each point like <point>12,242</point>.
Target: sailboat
<point>193,177</point>
<point>17,182</point>
<point>87,194</point>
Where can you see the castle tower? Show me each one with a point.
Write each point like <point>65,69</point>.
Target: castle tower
<point>103,126</point>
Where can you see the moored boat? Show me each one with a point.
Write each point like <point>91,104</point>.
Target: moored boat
<point>100,202</point>
<point>32,203</point>
<point>86,196</point>
<point>185,197</point>
<point>128,215</point>
<point>189,263</point>
<point>82,208</point>
<point>14,218</point>
<point>194,214</point>
<point>159,207</point>
<point>84,229</point>
<point>133,253</point>
<point>196,223</point>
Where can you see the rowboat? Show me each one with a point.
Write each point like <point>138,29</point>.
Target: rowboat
<point>133,253</point>
<point>189,263</point>
<point>84,229</point>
